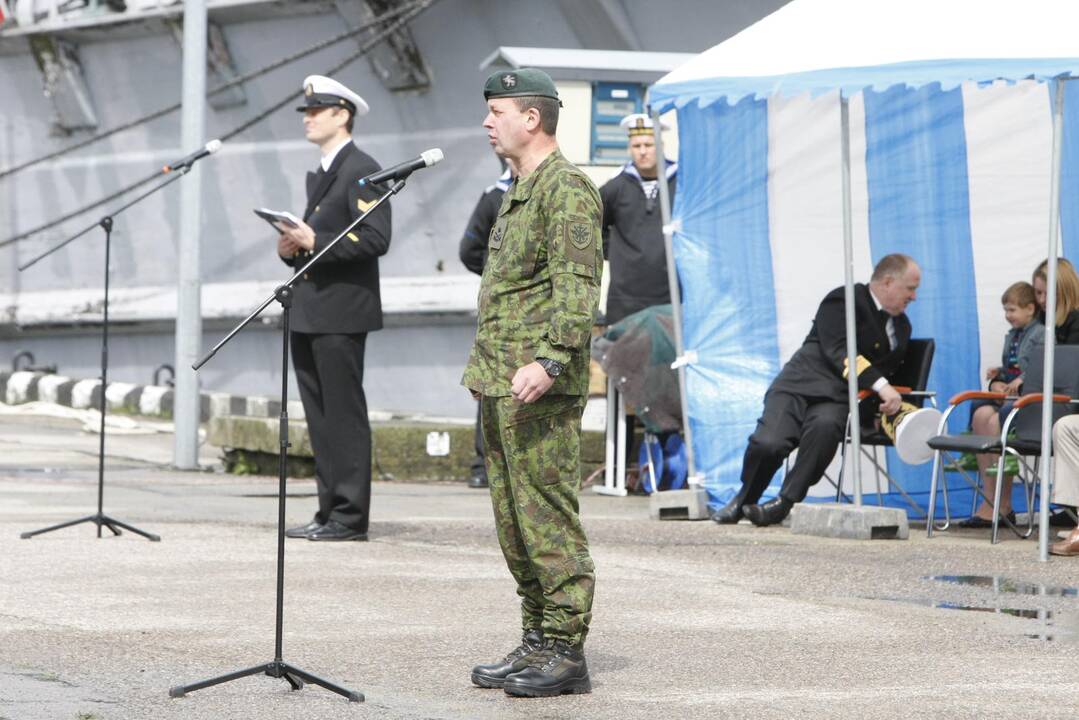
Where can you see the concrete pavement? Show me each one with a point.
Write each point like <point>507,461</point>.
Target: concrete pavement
<point>691,620</point>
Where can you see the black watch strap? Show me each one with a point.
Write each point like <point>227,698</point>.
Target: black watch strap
<point>553,368</point>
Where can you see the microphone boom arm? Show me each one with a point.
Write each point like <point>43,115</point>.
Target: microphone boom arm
<point>292,280</point>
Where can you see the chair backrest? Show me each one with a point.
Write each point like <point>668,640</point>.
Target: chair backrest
<point>1028,421</point>
<point>914,372</point>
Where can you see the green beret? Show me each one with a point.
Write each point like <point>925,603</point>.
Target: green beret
<point>524,82</point>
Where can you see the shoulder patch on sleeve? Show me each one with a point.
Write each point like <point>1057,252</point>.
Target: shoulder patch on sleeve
<point>580,237</point>
<point>363,206</point>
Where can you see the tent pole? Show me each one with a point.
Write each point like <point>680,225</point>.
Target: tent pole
<point>676,296</point>
<point>1050,320</point>
<point>855,452</point>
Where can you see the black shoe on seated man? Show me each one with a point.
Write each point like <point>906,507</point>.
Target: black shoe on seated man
<point>729,514</point>
<point>770,513</point>
<point>494,675</point>
<point>303,531</point>
<point>334,530</point>
<point>477,481</point>
<point>557,668</point>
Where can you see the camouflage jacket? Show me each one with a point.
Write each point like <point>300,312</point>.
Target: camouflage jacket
<point>540,286</point>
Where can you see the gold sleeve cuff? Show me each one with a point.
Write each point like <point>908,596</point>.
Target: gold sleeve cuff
<point>860,362</point>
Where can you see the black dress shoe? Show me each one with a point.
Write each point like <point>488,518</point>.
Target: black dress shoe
<point>556,669</point>
<point>770,513</point>
<point>729,514</point>
<point>979,522</point>
<point>494,675</point>
<point>477,481</point>
<point>302,532</point>
<point>334,530</point>
<point>1059,518</point>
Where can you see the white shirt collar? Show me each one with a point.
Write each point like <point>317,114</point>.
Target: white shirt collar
<point>328,158</point>
<point>875,301</point>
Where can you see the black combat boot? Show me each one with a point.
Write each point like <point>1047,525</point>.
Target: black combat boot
<point>494,675</point>
<point>556,669</point>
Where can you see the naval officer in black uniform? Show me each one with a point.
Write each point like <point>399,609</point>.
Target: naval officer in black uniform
<point>806,406</point>
<point>334,306</point>
<point>633,228</point>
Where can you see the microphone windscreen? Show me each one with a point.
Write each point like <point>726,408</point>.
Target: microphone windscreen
<point>432,156</point>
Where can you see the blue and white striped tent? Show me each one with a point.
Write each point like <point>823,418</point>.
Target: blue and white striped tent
<point>950,163</point>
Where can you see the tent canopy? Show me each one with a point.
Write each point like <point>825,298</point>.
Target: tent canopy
<point>945,166</point>
<point>851,45</point>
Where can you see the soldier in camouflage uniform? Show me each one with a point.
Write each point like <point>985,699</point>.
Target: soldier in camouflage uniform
<point>529,369</point>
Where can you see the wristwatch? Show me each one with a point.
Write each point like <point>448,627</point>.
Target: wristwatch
<point>553,368</point>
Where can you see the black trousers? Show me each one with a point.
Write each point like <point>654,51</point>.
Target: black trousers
<point>329,371</point>
<point>789,421</point>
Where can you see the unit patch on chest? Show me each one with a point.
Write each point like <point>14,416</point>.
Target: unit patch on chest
<point>495,241</point>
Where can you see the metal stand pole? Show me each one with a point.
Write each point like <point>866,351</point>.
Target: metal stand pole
<point>1050,321</point>
<point>277,667</point>
<point>848,299</point>
<point>99,518</point>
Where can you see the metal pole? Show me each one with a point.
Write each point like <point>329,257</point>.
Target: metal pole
<point>1050,321</point>
<point>855,453</point>
<point>188,300</point>
<point>676,295</point>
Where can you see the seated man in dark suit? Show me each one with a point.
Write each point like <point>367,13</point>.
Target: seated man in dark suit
<point>806,405</point>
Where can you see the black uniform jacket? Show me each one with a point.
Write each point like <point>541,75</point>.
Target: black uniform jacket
<point>1067,333</point>
<point>816,369</point>
<point>633,243</point>
<point>340,293</point>
<point>473,248</point>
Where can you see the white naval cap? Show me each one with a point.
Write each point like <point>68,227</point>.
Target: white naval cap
<point>321,91</point>
<point>640,124</point>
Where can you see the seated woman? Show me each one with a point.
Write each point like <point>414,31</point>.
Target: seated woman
<point>987,416</point>
<point>1066,330</point>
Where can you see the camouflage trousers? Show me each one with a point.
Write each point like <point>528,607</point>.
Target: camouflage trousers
<point>533,469</point>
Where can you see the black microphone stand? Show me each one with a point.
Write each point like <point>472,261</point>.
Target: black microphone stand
<point>277,667</point>
<point>100,518</point>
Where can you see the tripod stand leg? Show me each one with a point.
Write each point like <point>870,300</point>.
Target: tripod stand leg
<point>352,695</point>
<point>110,526</point>
<point>148,535</point>
<point>61,526</point>
<point>181,690</point>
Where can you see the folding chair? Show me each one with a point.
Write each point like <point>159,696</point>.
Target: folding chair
<point>1025,444</point>
<point>911,381</point>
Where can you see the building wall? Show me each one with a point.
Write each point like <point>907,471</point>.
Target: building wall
<point>130,74</point>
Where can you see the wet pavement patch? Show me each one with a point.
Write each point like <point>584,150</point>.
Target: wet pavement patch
<point>999,584</point>
<point>1053,625</point>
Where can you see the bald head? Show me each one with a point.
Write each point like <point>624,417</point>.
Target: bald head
<point>895,282</point>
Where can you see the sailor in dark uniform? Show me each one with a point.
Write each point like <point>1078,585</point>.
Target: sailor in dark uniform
<point>334,306</point>
<point>633,235</point>
<point>633,228</point>
<point>806,406</point>
<point>473,253</point>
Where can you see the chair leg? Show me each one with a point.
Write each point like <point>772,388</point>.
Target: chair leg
<point>931,515</point>
<point>842,463</point>
<point>876,473</point>
<point>996,497</point>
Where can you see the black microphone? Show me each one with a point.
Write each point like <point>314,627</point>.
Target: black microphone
<point>426,159</point>
<point>210,148</point>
